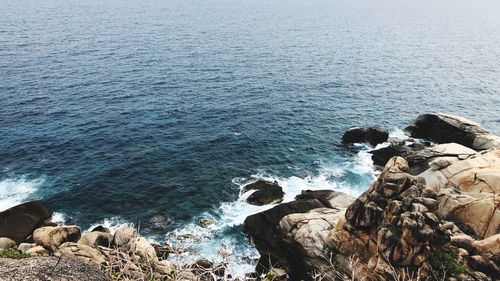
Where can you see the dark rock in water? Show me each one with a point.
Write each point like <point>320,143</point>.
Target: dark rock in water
<point>266,193</point>
<point>329,198</point>
<point>18,222</point>
<point>375,135</point>
<point>354,135</point>
<point>263,233</point>
<point>443,128</point>
<point>100,228</point>
<point>159,221</point>
<point>205,223</point>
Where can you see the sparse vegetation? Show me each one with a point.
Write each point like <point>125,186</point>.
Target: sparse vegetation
<point>12,253</point>
<point>445,261</point>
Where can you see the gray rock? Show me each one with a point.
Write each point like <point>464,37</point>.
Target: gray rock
<point>49,268</point>
<point>23,247</point>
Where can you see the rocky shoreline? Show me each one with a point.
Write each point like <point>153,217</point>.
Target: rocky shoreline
<point>433,213</point>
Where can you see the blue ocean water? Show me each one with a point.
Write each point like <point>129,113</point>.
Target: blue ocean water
<point>116,111</point>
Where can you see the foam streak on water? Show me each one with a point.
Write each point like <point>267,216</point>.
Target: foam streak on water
<point>14,191</point>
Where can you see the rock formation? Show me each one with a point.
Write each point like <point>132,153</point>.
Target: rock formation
<point>446,128</point>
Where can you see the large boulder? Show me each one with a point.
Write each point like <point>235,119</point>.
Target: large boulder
<point>376,135</point>
<point>49,268</point>
<point>265,193</point>
<point>51,237</point>
<point>354,135</point>
<point>18,222</point>
<point>445,128</point>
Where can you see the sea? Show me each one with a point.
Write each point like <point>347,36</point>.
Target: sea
<point>154,113</point>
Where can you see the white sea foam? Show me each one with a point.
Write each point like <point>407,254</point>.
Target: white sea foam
<point>59,218</point>
<point>14,191</point>
<point>228,218</point>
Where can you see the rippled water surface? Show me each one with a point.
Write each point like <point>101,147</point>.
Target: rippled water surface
<point>116,111</point>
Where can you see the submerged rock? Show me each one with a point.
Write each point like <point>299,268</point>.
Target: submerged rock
<point>17,223</point>
<point>266,193</point>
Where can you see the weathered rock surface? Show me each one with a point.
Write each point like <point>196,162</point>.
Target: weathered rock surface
<point>82,252</point>
<point>51,237</point>
<point>124,236</point>
<point>445,128</point>
<point>265,193</point>
<point>354,135</point>
<point>478,173</point>
<point>375,135</point>
<point>95,238</point>
<point>49,269</point>
<point>6,243</point>
<point>469,190</point>
<point>17,223</point>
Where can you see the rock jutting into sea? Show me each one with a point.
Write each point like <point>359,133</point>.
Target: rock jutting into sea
<point>433,213</point>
